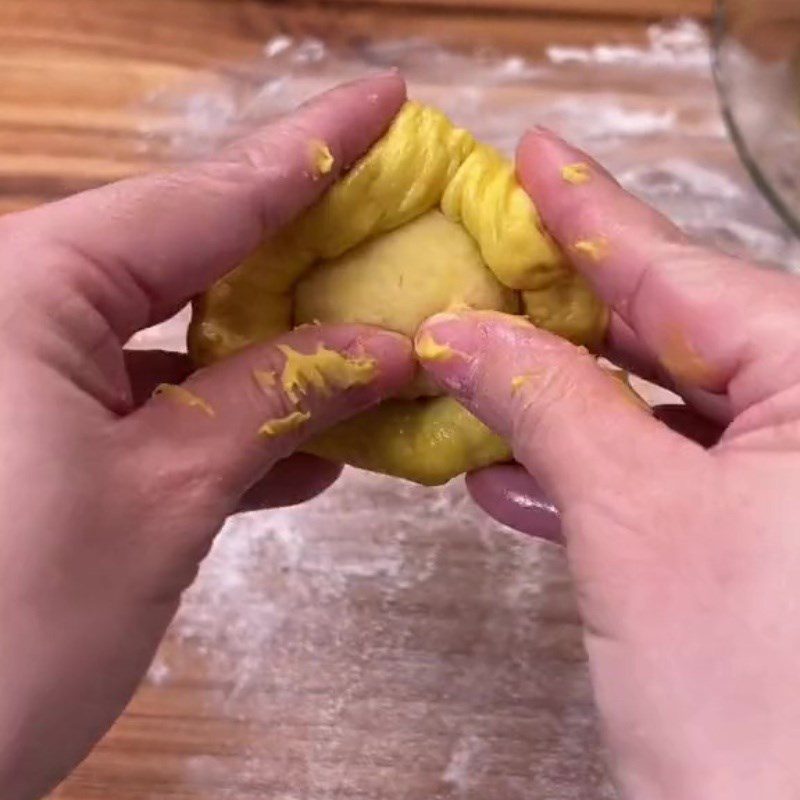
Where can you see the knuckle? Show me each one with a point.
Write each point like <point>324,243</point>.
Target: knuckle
<point>555,388</point>
<point>173,509</point>
<point>265,153</point>
<point>248,173</point>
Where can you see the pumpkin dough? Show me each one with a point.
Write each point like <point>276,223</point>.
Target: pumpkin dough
<point>400,279</point>
<point>428,220</point>
<point>428,441</point>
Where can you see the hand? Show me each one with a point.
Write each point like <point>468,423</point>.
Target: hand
<point>686,560</point>
<point>106,508</point>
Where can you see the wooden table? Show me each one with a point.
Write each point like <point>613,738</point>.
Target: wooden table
<point>385,642</point>
<point>73,70</point>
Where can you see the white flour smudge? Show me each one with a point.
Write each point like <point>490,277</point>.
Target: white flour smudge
<point>462,769</point>
<point>680,47</point>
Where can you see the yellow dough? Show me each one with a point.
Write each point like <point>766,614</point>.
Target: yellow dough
<point>400,279</point>
<point>428,441</point>
<point>569,308</point>
<point>428,220</point>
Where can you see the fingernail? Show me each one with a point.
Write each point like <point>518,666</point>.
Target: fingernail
<point>543,130</point>
<point>442,316</point>
<point>395,356</point>
<point>386,335</point>
<point>428,349</point>
<point>391,72</point>
<point>388,345</point>
<point>473,321</point>
<point>514,320</point>
<point>457,338</point>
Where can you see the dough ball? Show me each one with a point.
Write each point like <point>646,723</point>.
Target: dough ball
<point>400,279</point>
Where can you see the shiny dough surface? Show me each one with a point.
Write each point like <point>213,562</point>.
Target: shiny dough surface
<point>428,220</point>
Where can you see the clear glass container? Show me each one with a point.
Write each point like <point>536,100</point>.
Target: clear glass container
<point>757,68</point>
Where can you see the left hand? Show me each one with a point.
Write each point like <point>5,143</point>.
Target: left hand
<point>109,500</point>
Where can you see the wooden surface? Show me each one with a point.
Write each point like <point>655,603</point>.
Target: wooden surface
<point>72,71</point>
<point>386,642</point>
<point>562,8</point>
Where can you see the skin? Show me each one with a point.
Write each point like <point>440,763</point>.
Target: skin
<point>109,499</point>
<point>684,557</point>
<point>681,537</point>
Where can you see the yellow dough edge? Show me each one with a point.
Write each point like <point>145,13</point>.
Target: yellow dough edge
<point>428,442</point>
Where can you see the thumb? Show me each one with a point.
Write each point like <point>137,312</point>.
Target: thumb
<point>570,423</point>
<point>227,425</point>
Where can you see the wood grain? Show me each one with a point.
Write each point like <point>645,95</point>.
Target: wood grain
<point>73,73</point>
<point>646,9</point>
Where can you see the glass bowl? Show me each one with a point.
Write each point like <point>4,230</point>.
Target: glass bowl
<point>757,70</point>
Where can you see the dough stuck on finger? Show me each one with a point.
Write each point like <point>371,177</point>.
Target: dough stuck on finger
<point>429,220</point>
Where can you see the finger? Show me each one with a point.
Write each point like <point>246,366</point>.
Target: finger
<point>148,369</point>
<point>625,350</point>
<point>712,321</point>
<point>293,481</point>
<point>509,494</point>
<point>227,425</point>
<point>579,430</point>
<point>139,249</point>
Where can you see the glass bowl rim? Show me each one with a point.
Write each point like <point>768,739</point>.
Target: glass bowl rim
<point>718,33</point>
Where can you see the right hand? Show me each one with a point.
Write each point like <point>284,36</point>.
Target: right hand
<point>686,560</point>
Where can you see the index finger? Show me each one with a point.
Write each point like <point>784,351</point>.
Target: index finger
<point>712,321</point>
<point>140,248</point>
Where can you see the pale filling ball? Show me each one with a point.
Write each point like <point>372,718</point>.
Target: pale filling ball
<point>400,279</point>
